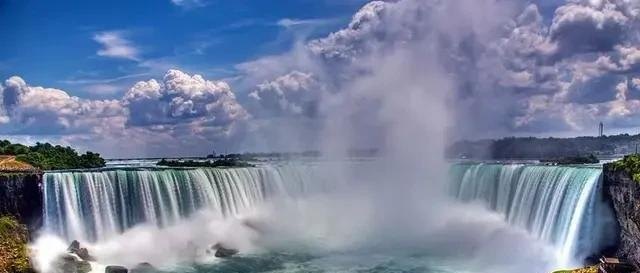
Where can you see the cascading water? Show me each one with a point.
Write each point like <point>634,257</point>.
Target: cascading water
<point>560,205</point>
<point>95,205</point>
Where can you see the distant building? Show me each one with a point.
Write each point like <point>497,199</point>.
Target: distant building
<point>601,130</point>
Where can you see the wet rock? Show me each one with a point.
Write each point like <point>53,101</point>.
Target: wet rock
<point>74,246</point>
<point>143,268</point>
<point>116,269</point>
<point>83,267</point>
<point>223,252</point>
<point>68,263</point>
<point>83,253</point>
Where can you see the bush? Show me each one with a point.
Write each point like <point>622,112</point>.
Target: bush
<point>629,164</point>
<point>224,163</point>
<point>14,256</point>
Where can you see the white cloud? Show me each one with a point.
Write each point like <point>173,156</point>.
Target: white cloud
<point>296,93</point>
<point>178,108</point>
<point>114,45</point>
<point>181,98</point>
<point>348,42</point>
<point>39,110</point>
<point>291,22</point>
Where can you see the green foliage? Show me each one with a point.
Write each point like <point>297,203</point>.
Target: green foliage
<point>49,157</point>
<point>14,256</point>
<point>590,159</point>
<point>629,164</point>
<point>231,162</point>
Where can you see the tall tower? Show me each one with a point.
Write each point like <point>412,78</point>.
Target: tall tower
<point>601,130</point>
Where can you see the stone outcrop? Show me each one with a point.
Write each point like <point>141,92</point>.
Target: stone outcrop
<point>21,197</point>
<point>625,198</point>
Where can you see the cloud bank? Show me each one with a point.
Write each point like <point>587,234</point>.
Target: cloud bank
<point>156,117</point>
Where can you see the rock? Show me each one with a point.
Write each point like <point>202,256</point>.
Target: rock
<point>143,268</point>
<point>74,246</point>
<point>83,267</point>
<point>116,269</point>
<point>624,194</point>
<point>223,252</point>
<point>83,253</point>
<point>68,263</point>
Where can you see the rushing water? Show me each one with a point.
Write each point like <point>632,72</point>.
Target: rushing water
<point>560,206</point>
<point>557,204</point>
<point>97,205</point>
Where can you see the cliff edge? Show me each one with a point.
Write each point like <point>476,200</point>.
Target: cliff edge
<point>624,193</point>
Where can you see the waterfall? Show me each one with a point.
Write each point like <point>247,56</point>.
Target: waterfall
<point>560,205</point>
<point>94,205</point>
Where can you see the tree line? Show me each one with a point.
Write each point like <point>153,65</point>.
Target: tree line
<point>46,156</point>
<point>541,148</point>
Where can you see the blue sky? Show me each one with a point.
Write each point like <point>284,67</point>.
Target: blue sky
<point>169,77</point>
<point>52,43</point>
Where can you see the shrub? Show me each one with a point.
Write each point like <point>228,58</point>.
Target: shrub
<point>629,164</point>
<point>14,256</point>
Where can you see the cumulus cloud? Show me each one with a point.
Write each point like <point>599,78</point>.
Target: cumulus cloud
<point>114,45</point>
<point>182,98</point>
<point>580,28</point>
<point>38,110</point>
<point>347,43</point>
<point>296,93</point>
<point>178,108</point>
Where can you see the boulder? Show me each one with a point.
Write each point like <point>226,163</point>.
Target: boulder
<point>83,253</point>
<point>116,269</point>
<point>68,263</point>
<point>223,252</point>
<point>143,268</point>
<point>83,267</point>
<point>74,246</point>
